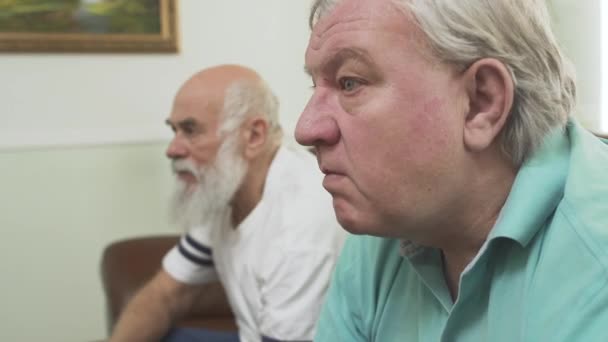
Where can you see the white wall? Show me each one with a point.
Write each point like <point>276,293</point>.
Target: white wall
<point>66,99</point>
<point>577,25</point>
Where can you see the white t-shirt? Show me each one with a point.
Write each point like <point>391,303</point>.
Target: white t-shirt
<point>276,266</point>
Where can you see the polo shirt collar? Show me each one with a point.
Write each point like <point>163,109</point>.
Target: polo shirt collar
<point>537,190</point>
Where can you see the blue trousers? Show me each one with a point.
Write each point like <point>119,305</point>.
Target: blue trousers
<point>195,335</point>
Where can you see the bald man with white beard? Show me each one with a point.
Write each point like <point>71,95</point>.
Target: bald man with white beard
<point>259,223</point>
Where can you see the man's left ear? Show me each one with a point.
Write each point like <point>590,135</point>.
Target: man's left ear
<point>255,136</point>
<point>490,91</point>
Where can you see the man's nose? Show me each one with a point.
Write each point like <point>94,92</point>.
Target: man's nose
<point>316,126</point>
<point>176,149</point>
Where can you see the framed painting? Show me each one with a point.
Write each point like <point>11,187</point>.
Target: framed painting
<point>128,26</point>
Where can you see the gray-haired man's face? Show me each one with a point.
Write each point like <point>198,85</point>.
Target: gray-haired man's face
<point>384,119</point>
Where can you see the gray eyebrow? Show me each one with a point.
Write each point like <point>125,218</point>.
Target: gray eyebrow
<point>182,123</point>
<point>338,58</point>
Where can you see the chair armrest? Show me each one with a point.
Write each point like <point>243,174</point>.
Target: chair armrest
<point>129,264</point>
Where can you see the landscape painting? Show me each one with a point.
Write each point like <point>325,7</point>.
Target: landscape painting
<point>88,26</point>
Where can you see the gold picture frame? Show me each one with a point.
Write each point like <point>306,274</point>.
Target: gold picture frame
<point>162,38</point>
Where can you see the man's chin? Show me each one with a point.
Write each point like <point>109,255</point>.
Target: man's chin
<point>348,221</point>
<point>186,186</point>
<point>355,220</point>
<point>352,227</point>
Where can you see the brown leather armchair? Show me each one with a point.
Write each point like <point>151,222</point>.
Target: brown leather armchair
<point>128,264</point>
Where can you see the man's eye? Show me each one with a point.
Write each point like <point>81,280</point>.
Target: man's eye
<point>349,84</point>
<point>189,129</point>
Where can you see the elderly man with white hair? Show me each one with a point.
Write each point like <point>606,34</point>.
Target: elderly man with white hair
<point>445,133</point>
<point>260,222</point>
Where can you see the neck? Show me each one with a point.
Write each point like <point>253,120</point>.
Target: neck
<point>472,222</point>
<point>250,193</point>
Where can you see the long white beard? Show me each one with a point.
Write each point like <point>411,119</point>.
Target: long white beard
<point>209,202</point>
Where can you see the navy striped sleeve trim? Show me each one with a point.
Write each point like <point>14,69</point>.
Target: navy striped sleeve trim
<point>194,258</point>
<point>270,339</point>
<point>198,246</point>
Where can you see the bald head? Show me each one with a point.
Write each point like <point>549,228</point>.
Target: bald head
<point>208,87</point>
<point>215,103</point>
<point>216,80</point>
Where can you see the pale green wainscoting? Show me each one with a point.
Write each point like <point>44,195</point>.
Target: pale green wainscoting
<point>58,208</point>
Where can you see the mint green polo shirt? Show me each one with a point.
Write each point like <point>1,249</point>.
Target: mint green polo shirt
<point>542,274</point>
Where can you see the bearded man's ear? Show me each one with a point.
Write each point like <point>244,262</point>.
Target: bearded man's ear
<point>255,136</point>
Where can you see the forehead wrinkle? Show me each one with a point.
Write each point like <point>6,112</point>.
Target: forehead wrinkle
<point>332,25</point>
<point>317,39</point>
<point>341,53</point>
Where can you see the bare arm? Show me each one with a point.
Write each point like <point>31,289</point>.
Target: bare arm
<point>152,311</point>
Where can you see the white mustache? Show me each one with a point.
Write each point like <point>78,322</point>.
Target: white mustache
<point>184,165</point>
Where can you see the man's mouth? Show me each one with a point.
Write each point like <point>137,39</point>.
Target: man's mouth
<point>186,176</point>
<point>329,171</point>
